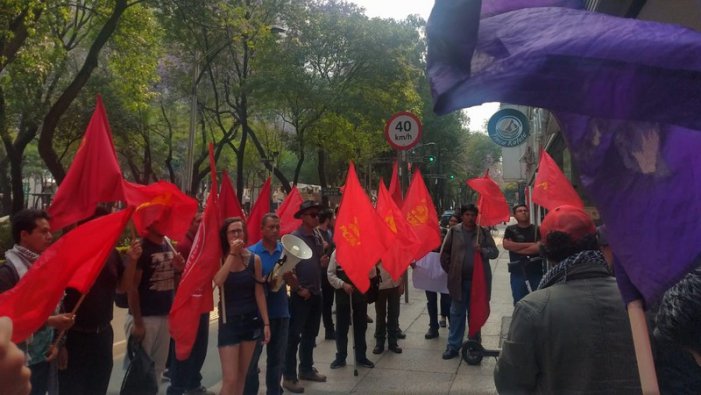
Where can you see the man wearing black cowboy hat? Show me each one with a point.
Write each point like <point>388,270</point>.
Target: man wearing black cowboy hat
<point>305,303</point>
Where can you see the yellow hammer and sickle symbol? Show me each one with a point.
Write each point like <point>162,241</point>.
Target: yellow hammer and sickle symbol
<point>390,222</point>
<point>351,233</point>
<point>543,185</point>
<point>419,214</point>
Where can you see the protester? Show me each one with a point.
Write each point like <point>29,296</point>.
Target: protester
<point>150,292</point>
<point>269,250</point>
<point>87,361</point>
<point>186,376</point>
<point>305,303</point>
<point>14,374</point>
<point>350,305</point>
<point>244,313</point>
<point>521,240</point>
<point>677,345</point>
<point>31,233</point>
<point>387,313</point>
<point>457,259</point>
<point>432,297</point>
<point>572,335</point>
<point>326,222</point>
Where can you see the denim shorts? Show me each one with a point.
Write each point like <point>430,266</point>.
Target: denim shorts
<point>239,328</point>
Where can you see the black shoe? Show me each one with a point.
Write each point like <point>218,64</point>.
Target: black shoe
<point>395,348</point>
<point>450,353</point>
<point>330,335</point>
<point>369,320</point>
<point>338,363</point>
<point>401,335</point>
<point>431,334</point>
<point>366,363</point>
<point>379,349</point>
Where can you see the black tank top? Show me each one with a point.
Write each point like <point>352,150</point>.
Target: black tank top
<point>240,290</point>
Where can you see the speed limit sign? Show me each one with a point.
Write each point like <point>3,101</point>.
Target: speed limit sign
<point>403,130</point>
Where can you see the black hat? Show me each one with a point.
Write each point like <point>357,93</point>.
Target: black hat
<point>307,205</point>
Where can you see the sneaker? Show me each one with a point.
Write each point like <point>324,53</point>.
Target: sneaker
<point>379,349</point>
<point>199,391</point>
<point>314,375</point>
<point>401,335</point>
<point>449,353</point>
<point>366,363</point>
<point>431,334</point>
<point>395,349</point>
<point>442,322</point>
<point>293,386</point>
<point>338,363</point>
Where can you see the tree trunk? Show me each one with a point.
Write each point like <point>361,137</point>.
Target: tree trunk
<point>261,151</point>
<point>19,31</point>
<point>46,149</point>
<point>321,169</point>
<point>5,188</point>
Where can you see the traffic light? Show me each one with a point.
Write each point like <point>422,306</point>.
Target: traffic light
<point>452,177</point>
<point>431,159</point>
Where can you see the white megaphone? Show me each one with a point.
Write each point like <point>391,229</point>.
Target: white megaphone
<point>294,250</point>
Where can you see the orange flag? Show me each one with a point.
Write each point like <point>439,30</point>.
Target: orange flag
<point>162,203</point>
<point>287,210</point>
<point>400,254</point>
<point>74,260</point>
<point>395,189</point>
<point>361,236</point>
<point>492,205</point>
<point>420,213</point>
<point>229,205</point>
<point>260,208</point>
<point>94,175</point>
<point>479,298</point>
<point>194,294</point>
<point>551,188</point>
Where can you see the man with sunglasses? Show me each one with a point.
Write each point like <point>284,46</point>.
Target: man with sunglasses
<point>305,303</point>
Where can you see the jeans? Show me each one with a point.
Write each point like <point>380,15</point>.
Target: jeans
<point>275,363</point>
<point>343,321</point>
<point>387,311</point>
<point>458,314</point>
<point>89,362</point>
<point>185,375</point>
<point>432,305</point>
<point>518,284</point>
<point>304,327</point>
<point>327,294</point>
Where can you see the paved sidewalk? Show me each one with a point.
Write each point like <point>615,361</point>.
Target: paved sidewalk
<point>418,370</point>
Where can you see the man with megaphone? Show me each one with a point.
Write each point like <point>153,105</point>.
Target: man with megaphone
<point>305,303</point>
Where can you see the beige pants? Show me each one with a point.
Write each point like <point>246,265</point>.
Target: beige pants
<point>156,341</point>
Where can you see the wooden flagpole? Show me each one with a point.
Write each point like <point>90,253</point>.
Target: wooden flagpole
<point>643,350</point>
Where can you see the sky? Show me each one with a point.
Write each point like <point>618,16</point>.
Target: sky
<point>399,9</point>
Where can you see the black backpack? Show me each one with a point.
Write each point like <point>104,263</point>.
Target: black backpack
<point>140,378</point>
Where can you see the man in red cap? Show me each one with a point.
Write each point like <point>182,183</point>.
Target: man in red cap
<point>572,335</point>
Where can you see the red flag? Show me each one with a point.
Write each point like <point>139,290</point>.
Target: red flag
<point>260,208</point>
<point>229,205</point>
<point>287,210</point>
<point>492,205</point>
<point>551,188</point>
<point>361,236</point>
<point>419,211</point>
<point>162,203</point>
<point>194,294</point>
<point>400,253</point>
<point>70,261</point>
<point>395,189</point>
<point>93,177</point>
<point>479,297</point>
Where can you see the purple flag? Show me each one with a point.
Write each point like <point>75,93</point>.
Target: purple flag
<point>626,93</point>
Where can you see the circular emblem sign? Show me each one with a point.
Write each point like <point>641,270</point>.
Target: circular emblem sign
<point>508,127</point>
<point>403,130</point>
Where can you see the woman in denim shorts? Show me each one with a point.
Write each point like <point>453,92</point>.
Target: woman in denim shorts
<point>243,305</point>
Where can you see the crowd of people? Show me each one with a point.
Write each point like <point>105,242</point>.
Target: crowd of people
<point>569,330</point>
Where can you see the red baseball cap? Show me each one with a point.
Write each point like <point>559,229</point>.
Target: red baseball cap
<point>567,219</point>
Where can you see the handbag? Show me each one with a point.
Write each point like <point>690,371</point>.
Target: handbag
<point>140,378</point>
<point>374,290</point>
